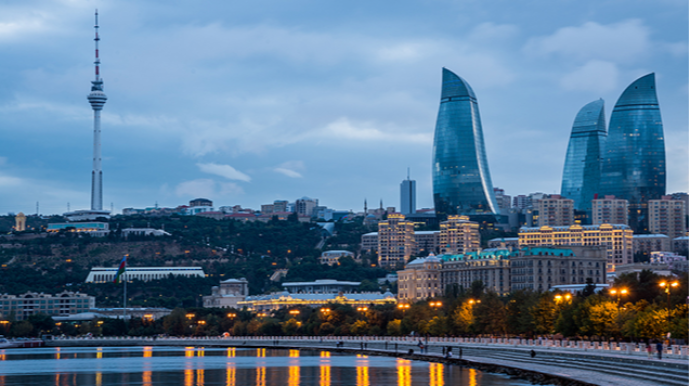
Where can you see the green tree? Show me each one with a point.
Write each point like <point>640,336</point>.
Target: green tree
<point>394,327</point>
<point>491,315</point>
<point>462,318</point>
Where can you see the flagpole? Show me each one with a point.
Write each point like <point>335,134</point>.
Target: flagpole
<point>124,302</point>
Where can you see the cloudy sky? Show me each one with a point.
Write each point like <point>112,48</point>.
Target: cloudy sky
<point>249,102</point>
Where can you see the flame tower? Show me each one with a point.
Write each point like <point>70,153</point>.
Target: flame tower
<point>97,99</point>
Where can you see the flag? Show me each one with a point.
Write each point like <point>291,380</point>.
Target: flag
<point>120,270</point>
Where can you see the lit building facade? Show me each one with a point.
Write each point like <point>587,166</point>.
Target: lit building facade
<point>396,241</point>
<point>333,257</point>
<point>555,210</point>
<point>634,164</point>
<point>490,266</point>
<point>30,303</point>
<point>107,275</point>
<point>458,235</point>
<point>20,222</point>
<point>609,210</point>
<point>618,239</point>
<point>461,179</point>
<point>667,216</point>
<point>582,170</point>
<point>540,268</point>
<point>425,241</point>
<point>420,280</point>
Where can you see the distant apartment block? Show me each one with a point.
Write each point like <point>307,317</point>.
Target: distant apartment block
<point>305,206</point>
<point>555,210</point>
<point>680,244</point>
<point>30,303</point>
<point>425,241</point>
<point>458,235</point>
<point>667,216</point>
<point>396,242</point>
<point>503,200</point>
<point>609,210</point>
<point>408,196</point>
<point>646,244</point>
<point>618,239</point>
<point>512,243</point>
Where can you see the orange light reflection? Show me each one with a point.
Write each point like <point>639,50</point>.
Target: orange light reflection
<point>230,376</point>
<point>148,352</point>
<point>404,373</point>
<point>293,376</point>
<point>435,374</point>
<point>261,376</point>
<point>231,352</point>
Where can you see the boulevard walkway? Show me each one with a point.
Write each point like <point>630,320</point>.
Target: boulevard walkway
<point>618,364</point>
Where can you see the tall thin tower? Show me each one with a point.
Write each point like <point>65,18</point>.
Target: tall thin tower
<point>97,99</point>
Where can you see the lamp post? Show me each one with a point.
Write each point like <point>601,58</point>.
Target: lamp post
<point>404,307</point>
<point>667,288</point>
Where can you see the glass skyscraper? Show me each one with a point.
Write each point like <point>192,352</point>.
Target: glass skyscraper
<point>634,166</point>
<point>462,183</point>
<point>582,170</point>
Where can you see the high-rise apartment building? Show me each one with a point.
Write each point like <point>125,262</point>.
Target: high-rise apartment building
<point>609,210</point>
<point>458,235</point>
<point>582,170</point>
<point>461,178</point>
<point>396,241</point>
<point>618,239</point>
<point>667,216</point>
<point>503,200</point>
<point>408,196</point>
<point>634,165</point>
<point>305,206</point>
<point>555,210</point>
<point>646,244</point>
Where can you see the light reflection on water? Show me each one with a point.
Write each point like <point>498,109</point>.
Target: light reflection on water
<point>199,366</point>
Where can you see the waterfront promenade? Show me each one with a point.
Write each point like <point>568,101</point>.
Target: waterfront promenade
<point>587,363</point>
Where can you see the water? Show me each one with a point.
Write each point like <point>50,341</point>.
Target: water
<point>198,366</point>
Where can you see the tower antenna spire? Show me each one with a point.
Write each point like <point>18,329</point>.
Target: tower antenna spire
<point>97,99</point>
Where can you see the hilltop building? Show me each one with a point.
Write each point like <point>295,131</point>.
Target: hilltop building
<point>228,294</point>
<point>30,303</point>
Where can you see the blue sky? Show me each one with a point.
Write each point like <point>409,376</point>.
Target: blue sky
<point>249,102</point>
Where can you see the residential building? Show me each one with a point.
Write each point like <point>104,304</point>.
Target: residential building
<point>107,275</point>
<point>680,245</point>
<point>228,294</point>
<point>305,206</point>
<point>490,266</point>
<point>555,210</point>
<point>636,268</point>
<point>609,210</point>
<point>618,239</point>
<point>30,303</point>
<point>503,201</point>
<point>667,216</point>
<point>461,179</point>
<point>634,164</point>
<point>541,267</point>
<point>333,257</point>
<point>425,241</point>
<point>200,202</point>
<point>420,280</point>
<point>646,244</point>
<point>582,169</point>
<point>458,235</point>
<point>281,206</point>
<point>396,241</point>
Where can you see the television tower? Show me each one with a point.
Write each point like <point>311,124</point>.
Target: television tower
<point>97,99</point>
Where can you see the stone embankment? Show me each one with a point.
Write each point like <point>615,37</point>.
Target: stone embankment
<point>553,362</point>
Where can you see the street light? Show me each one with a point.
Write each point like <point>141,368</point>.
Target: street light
<point>325,310</point>
<point>362,309</point>
<point>232,315</point>
<point>435,304</point>
<point>404,307</point>
<point>294,312</point>
<point>667,288</point>
<point>618,292</point>
<point>190,316</point>
<point>472,302</point>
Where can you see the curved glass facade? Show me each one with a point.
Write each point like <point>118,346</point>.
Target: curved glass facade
<point>462,183</point>
<point>582,170</point>
<point>634,165</point>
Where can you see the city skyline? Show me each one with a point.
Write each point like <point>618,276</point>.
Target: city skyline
<point>246,106</point>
